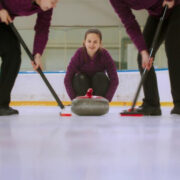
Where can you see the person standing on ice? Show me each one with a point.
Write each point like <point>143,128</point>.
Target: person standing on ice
<point>170,33</point>
<point>88,68</point>
<point>10,47</point>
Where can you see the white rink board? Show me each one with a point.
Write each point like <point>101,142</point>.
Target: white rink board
<point>30,87</point>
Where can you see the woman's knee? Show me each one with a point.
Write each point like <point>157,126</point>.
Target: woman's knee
<point>80,77</point>
<point>81,83</point>
<point>100,76</point>
<point>100,83</point>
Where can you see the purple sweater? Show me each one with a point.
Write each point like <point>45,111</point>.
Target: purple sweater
<point>101,62</point>
<point>26,8</point>
<point>123,9</point>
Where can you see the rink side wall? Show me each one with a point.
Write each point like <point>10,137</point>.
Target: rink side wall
<point>29,87</point>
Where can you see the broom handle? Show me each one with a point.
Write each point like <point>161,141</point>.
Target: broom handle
<point>39,69</point>
<point>151,54</point>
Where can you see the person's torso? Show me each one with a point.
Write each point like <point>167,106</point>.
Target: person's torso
<point>91,66</point>
<point>154,7</point>
<point>142,4</point>
<point>20,7</point>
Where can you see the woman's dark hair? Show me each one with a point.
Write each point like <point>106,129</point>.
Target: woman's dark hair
<point>94,31</point>
<point>89,31</point>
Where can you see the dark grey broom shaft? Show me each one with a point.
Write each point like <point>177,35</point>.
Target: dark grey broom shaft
<point>151,54</point>
<point>39,69</point>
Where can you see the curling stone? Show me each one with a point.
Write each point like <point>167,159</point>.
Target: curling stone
<point>90,105</point>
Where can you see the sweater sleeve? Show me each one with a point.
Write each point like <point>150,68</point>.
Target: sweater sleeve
<point>112,74</point>
<point>71,70</point>
<point>128,19</point>
<point>42,31</point>
<point>1,7</point>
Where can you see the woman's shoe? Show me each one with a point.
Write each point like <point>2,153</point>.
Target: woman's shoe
<point>175,110</point>
<point>6,111</point>
<point>149,110</point>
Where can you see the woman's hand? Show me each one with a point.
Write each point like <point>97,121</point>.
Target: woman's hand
<point>37,63</point>
<point>169,3</point>
<point>5,17</point>
<point>146,60</point>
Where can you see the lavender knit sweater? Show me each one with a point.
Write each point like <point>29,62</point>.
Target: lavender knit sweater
<point>123,9</point>
<point>26,8</point>
<point>102,62</point>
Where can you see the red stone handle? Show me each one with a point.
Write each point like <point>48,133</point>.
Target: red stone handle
<point>89,93</point>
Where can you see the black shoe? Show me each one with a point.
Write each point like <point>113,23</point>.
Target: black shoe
<point>175,110</point>
<point>149,110</point>
<point>6,111</point>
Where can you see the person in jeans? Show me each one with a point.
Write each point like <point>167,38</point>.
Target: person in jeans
<point>91,67</point>
<point>170,33</point>
<point>10,52</point>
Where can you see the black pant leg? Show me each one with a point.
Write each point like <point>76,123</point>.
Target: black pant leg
<point>172,47</point>
<point>100,84</point>
<point>81,83</point>
<point>150,88</point>
<point>11,59</point>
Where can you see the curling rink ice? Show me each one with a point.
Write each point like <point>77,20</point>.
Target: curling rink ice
<point>38,144</point>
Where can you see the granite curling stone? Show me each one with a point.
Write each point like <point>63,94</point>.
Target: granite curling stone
<point>90,105</point>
